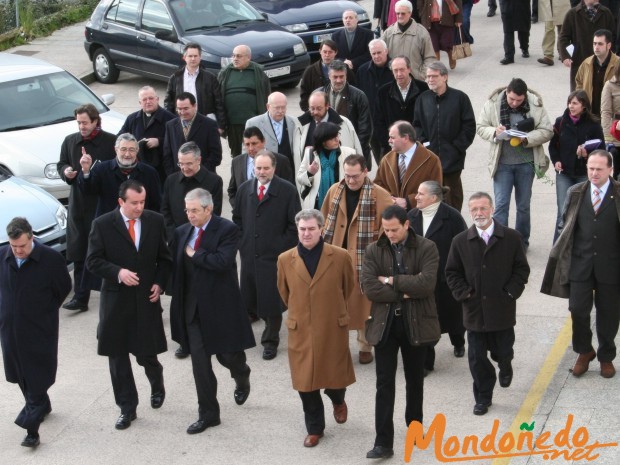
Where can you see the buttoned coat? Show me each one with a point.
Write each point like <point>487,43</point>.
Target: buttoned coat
<point>359,52</point>
<point>30,297</point>
<point>203,132</point>
<point>267,229</point>
<point>445,225</point>
<point>447,18</point>
<point>128,321</point>
<point>82,207</point>
<point>263,123</point>
<point>487,279</point>
<point>415,43</point>
<point>317,322</point>
<point>358,303</point>
<point>556,280</point>
<point>224,323</point>
<point>424,166</point>
<point>239,173</point>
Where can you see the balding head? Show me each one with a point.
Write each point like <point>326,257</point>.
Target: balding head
<point>276,106</point>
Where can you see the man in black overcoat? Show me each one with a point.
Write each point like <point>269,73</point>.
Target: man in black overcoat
<point>206,314</point>
<point>91,140</point>
<point>128,250</point>
<point>265,209</point>
<point>34,282</point>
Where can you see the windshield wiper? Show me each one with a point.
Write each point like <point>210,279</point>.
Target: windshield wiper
<point>62,119</point>
<point>201,28</point>
<point>237,21</point>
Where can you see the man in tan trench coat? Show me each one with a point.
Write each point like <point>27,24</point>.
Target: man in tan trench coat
<point>352,209</point>
<point>315,280</point>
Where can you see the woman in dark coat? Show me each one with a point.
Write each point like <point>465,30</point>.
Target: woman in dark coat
<point>439,222</point>
<point>568,153</point>
<point>440,23</point>
<point>516,17</point>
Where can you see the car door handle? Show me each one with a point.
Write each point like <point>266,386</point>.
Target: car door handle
<point>141,37</point>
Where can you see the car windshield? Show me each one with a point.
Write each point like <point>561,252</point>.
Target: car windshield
<point>196,15</point>
<point>43,100</point>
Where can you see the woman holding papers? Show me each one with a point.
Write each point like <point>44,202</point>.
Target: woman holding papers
<point>575,134</point>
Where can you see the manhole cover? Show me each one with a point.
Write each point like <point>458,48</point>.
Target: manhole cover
<point>26,53</point>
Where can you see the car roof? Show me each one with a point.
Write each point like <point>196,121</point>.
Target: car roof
<point>14,66</point>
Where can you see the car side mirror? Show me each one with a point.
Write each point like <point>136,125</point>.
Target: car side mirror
<point>265,15</point>
<point>108,99</point>
<point>169,36</point>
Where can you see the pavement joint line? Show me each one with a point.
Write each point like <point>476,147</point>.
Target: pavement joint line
<point>540,384</point>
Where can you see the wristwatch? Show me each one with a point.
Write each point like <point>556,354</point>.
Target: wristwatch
<point>386,280</point>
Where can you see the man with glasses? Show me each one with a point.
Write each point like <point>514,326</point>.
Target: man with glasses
<point>194,127</point>
<point>352,209</point>
<point>245,87</point>
<point>104,179</point>
<point>444,118</point>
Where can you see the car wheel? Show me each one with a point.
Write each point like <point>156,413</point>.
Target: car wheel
<point>104,68</point>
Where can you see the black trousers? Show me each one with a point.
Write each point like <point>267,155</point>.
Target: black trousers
<point>457,340</point>
<point>36,407</point>
<point>606,298</point>
<point>124,384</point>
<point>454,198</point>
<point>314,411</point>
<point>386,362</point>
<point>500,345</point>
<point>206,382</point>
<point>509,42</point>
<point>80,289</point>
<point>235,138</point>
<point>271,333</point>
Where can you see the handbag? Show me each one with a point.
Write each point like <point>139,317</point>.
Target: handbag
<point>462,49</point>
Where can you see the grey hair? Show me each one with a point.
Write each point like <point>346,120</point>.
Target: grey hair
<point>405,3</point>
<point>145,88</point>
<point>374,42</point>
<point>402,57</point>
<point>337,65</point>
<point>18,226</point>
<point>190,147</point>
<point>203,195</point>
<point>438,66</point>
<point>267,153</point>
<point>436,189</point>
<point>481,195</point>
<point>125,137</point>
<point>308,214</point>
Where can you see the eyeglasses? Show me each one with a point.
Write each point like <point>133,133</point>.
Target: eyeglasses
<point>127,149</point>
<point>352,177</point>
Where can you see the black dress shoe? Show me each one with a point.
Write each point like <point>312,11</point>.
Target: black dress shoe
<point>507,61</point>
<point>31,440</point>
<point>76,305</point>
<point>380,452</point>
<point>269,353</point>
<point>491,12</point>
<point>534,19</point>
<point>505,375</point>
<point>481,408</point>
<point>157,398</point>
<point>459,352</point>
<point>124,421</point>
<point>525,53</point>
<point>201,425</point>
<point>242,391</point>
<point>181,352</point>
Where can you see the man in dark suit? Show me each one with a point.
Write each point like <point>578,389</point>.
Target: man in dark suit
<point>487,271</point>
<point>352,41</point>
<point>265,209</point>
<point>128,250</point>
<point>105,178</point>
<point>34,282</point>
<point>201,83</point>
<point>148,126</point>
<point>242,167</point>
<point>206,314</point>
<point>191,126</point>
<point>92,140</point>
<point>584,264</point>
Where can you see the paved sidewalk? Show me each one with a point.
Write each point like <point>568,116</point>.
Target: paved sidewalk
<point>269,428</point>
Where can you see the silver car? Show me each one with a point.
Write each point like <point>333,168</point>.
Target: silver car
<point>47,215</point>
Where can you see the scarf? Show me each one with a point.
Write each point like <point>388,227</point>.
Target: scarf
<point>126,169</point>
<point>328,168</point>
<point>93,134</point>
<point>505,110</point>
<point>404,27</point>
<point>428,213</point>
<point>366,217</point>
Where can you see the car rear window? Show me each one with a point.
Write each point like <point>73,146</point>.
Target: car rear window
<point>123,11</point>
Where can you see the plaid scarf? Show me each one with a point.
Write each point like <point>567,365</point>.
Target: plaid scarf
<point>505,110</point>
<point>93,134</point>
<point>367,214</point>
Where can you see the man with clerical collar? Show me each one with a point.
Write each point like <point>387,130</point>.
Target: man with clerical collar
<point>315,280</point>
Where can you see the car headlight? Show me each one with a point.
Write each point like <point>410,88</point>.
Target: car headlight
<point>300,49</point>
<point>51,172</point>
<point>362,16</point>
<point>225,61</point>
<point>61,217</point>
<point>300,27</point>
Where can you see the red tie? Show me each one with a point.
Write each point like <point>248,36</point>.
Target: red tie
<point>198,238</point>
<point>261,193</point>
<point>132,232</point>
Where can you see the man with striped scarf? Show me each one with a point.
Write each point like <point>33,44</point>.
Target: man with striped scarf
<point>352,209</point>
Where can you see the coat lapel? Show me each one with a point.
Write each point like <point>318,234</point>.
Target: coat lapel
<point>325,263</point>
<point>436,223</point>
<point>299,266</point>
<point>120,226</point>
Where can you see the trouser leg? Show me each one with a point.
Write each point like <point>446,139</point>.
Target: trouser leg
<point>481,368</point>
<point>548,39</point>
<point>81,291</point>
<point>314,411</point>
<point>509,44</point>
<point>236,362</point>
<point>386,362</point>
<point>607,303</point>
<point>271,333</point>
<point>37,405</point>
<point>206,382</point>
<point>454,198</point>
<point>123,383</point>
<point>362,342</point>
<point>457,339</point>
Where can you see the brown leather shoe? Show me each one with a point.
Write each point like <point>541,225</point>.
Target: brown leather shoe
<point>607,371</point>
<point>451,60</point>
<point>366,357</point>
<point>312,440</point>
<point>340,412</point>
<point>546,61</point>
<point>583,363</point>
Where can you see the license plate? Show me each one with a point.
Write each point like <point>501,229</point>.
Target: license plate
<point>284,70</point>
<point>320,38</point>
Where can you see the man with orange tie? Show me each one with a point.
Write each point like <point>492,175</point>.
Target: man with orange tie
<point>127,249</point>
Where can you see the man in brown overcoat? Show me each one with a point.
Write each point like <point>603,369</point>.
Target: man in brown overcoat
<point>315,280</point>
